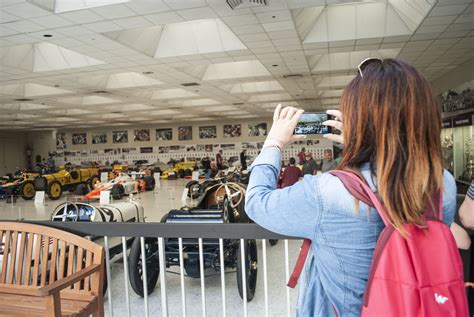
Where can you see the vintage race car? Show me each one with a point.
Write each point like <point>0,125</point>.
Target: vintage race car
<point>20,184</point>
<point>179,170</point>
<point>67,178</point>
<point>120,186</point>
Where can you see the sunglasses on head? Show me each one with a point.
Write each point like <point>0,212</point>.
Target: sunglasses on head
<point>366,62</point>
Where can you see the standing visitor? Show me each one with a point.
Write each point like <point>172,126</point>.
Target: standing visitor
<point>290,175</point>
<point>328,163</point>
<point>243,160</point>
<point>387,105</point>
<point>310,167</point>
<point>301,156</point>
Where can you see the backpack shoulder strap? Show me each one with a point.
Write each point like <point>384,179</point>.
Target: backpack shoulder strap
<point>360,190</point>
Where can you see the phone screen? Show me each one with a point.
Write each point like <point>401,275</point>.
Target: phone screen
<point>312,123</point>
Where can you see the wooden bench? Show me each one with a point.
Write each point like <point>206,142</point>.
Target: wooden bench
<point>49,272</point>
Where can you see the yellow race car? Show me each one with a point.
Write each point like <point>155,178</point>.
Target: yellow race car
<point>179,170</point>
<point>18,185</point>
<point>67,178</point>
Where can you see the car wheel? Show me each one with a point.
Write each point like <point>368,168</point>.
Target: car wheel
<point>149,183</point>
<point>273,242</point>
<point>55,190</point>
<point>81,190</point>
<point>191,186</point>
<point>135,265</point>
<point>117,191</point>
<point>92,181</point>
<point>181,173</point>
<point>27,190</point>
<point>250,268</point>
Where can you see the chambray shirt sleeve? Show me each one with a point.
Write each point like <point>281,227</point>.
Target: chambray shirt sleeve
<point>449,198</point>
<point>292,211</point>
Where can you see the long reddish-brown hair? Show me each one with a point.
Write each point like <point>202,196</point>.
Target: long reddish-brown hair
<point>391,119</point>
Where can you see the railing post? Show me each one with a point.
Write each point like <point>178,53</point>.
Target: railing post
<point>221,255</point>
<point>109,277</point>
<point>201,269</point>
<point>125,272</point>
<point>164,297</point>
<point>144,275</point>
<point>181,273</point>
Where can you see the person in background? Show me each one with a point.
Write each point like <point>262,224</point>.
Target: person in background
<point>301,156</point>
<point>328,163</point>
<point>51,164</point>
<point>243,160</point>
<point>291,174</point>
<point>310,167</point>
<point>206,166</point>
<point>219,162</point>
<point>466,211</point>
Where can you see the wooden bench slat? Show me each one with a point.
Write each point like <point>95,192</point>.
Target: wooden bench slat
<point>13,248</point>
<point>29,255</point>
<point>21,257</point>
<point>70,260</point>
<point>62,259</point>
<point>79,264</point>
<point>37,252</point>
<point>44,260</point>
<point>6,254</point>
<point>88,262</point>
<point>54,256</point>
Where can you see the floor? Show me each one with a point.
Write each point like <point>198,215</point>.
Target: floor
<point>156,204</point>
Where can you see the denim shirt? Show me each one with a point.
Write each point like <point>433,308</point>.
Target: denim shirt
<point>319,208</point>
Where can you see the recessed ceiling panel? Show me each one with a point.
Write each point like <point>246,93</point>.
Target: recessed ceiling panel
<point>235,70</point>
<point>59,6</point>
<point>197,37</point>
<point>22,106</point>
<point>347,60</point>
<point>126,80</point>
<point>30,90</point>
<point>89,100</point>
<point>144,40</point>
<point>270,97</point>
<point>256,87</point>
<point>172,94</point>
<point>334,82</point>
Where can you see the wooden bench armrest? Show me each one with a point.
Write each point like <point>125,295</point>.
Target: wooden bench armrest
<point>58,285</point>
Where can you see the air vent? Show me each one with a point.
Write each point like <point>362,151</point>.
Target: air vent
<point>240,4</point>
<point>117,112</point>
<point>292,76</point>
<point>238,103</point>
<point>23,99</point>
<point>190,84</point>
<point>100,92</point>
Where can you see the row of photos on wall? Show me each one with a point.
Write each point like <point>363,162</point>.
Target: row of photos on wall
<point>185,133</point>
<point>210,148</point>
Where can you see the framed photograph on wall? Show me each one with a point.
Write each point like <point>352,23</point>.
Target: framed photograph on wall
<point>232,130</point>
<point>120,136</point>
<point>141,135</point>
<point>79,138</point>
<point>185,133</point>
<point>148,149</point>
<point>99,137</point>
<point>258,129</point>
<point>164,134</point>
<point>209,132</point>
<point>60,141</point>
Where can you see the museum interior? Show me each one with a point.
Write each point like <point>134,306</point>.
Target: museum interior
<point>129,128</point>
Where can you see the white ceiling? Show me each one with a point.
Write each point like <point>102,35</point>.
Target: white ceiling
<point>120,62</point>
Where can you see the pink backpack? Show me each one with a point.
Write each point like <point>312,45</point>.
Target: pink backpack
<point>421,275</point>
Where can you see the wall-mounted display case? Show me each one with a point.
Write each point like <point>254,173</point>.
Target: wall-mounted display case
<point>457,139</point>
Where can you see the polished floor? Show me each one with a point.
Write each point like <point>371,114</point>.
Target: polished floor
<point>156,204</point>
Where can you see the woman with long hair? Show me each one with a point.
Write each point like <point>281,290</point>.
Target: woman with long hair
<point>390,125</point>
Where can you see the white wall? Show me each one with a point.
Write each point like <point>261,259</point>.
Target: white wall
<point>12,151</point>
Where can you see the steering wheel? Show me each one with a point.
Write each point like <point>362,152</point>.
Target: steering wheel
<point>68,214</point>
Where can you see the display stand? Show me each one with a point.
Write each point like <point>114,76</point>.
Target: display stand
<point>40,198</point>
<point>104,197</point>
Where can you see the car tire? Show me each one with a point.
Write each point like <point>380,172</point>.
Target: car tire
<point>250,268</point>
<point>92,181</point>
<point>181,173</point>
<point>273,242</point>
<point>55,190</point>
<point>135,265</point>
<point>149,183</point>
<point>27,190</point>
<point>191,193</point>
<point>81,190</point>
<point>117,191</point>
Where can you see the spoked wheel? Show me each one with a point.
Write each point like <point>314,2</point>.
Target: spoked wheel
<point>117,191</point>
<point>27,190</point>
<point>55,190</point>
<point>250,268</point>
<point>135,268</point>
